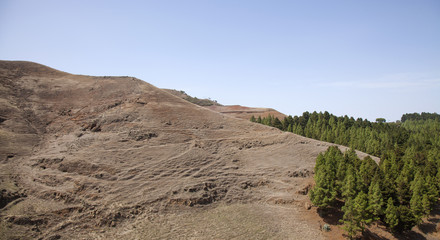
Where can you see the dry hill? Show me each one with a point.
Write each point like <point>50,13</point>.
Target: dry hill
<point>116,158</point>
<point>195,100</point>
<point>246,112</point>
<point>230,110</point>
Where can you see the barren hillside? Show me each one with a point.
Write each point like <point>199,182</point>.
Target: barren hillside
<point>195,100</point>
<point>246,112</point>
<point>230,110</point>
<point>117,158</point>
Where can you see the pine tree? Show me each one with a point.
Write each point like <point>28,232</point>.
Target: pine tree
<point>322,197</point>
<point>432,191</point>
<point>356,215</point>
<point>285,123</point>
<point>324,192</point>
<point>366,172</point>
<point>417,189</point>
<point>438,178</point>
<point>275,122</point>
<point>350,219</point>
<point>360,206</point>
<point>426,205</point>
<point>391,214</point>
<point>341,171</point>
<point>387,185</point>
<point>402,189</point>
<point>349,187</point>
<point>375,200</point>
<point>308,129</point>
<point>407,220</point>
<point>351,157</point>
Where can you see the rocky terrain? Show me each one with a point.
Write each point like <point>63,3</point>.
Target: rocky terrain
<point>116,158</point>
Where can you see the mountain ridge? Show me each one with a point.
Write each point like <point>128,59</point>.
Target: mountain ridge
<point>237,111</point>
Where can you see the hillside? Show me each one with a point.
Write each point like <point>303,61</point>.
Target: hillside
<point>230,110</point>
<point>246,112</point>
<point>117,158</point>
<point>195,100</point>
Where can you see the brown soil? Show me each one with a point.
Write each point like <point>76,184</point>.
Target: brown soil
<point>116,158</point>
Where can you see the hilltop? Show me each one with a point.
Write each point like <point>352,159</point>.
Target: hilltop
<point>230,110</point>
<point>114,157</point>
<point>195,100</point>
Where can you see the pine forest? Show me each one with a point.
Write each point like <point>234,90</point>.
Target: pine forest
<point>399,191</point>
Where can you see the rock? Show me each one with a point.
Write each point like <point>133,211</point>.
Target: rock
<point>79,134</point>
<point>54,237</point>
<point>305,190</point>
<point>303,173</point>
<point>307,206</point>
<point>8,196</point>
<point>139,135</point>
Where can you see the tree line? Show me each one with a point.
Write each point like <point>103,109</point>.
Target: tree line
<point>399,191</point>
<point>375,138</point>
<point>418,116</point>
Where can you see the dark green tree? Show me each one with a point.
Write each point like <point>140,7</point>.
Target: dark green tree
<point>431,188</point>
<point>375,201</point>
<point>407,220</point>
<point>351,220</point>
<point>416,202</point>
<point>324,193</point>
<point>360,206</point>
<point>380,120</point>
<point>367,171</point>
<point>391,214</point>
<point>276,123</point>
<point>349,190</point>
<point>426,205</point>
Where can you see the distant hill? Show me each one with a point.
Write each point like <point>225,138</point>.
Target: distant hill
<point>246,112</point>
<point>231,110</point>
<point>195,100</point>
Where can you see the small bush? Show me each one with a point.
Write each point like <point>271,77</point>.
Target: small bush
<point>326,228</point>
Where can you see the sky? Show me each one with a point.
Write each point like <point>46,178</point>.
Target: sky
<point>368,59</point>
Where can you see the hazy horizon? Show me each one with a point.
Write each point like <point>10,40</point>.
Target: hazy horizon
<point>366,59</point>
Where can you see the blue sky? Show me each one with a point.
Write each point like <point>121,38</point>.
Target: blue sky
<point>364,59</point>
